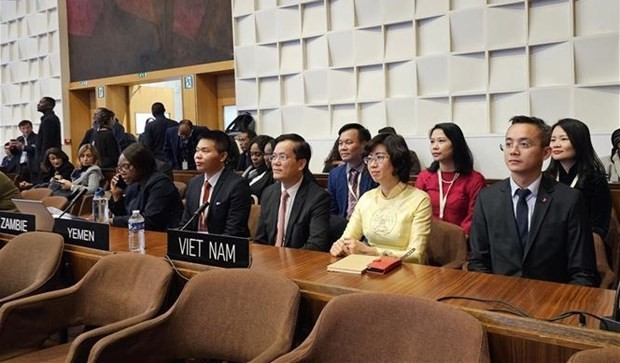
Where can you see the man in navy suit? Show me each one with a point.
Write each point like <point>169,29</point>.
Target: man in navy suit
<point>349,181</point>
<point>180,144</point>
<point>26,142</point>
<point>295,210</point>
<point>227,193</point>
<point>154,135</point>
<point>529,225</point>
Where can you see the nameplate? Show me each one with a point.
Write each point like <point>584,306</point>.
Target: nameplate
<point>84,233</point>
<point>209,249</point>
<point>16,223</point>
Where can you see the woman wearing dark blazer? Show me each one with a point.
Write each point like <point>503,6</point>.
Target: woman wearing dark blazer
<point>260,176</point>
<point>138,186</point>
<point>103,138</point>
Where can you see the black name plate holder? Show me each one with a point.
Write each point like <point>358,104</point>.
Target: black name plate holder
<point>209,249</point>
<point>16,223</point>
<point>84,233</point>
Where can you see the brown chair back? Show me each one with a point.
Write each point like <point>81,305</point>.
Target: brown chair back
<point>231,315</point>
<point>253,220</point>
<point>371,327</point>
<point>612,246</point>
<point>56,202</point>
<point>447,245</point>
<point>36,193</point>
<point>28,263</point>
<point>601,355</point>
<point>181,187</point>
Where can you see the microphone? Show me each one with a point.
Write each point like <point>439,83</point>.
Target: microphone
<point>73,201</point>
<point>196,214</point>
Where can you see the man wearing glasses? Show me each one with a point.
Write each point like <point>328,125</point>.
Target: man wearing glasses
<point>295,210</point>
<point>244,139</point>
<point>529,225</point>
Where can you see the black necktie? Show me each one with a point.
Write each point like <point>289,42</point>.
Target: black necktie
<point>522,215</point>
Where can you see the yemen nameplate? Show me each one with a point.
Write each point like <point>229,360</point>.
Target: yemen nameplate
<point>84,233</point>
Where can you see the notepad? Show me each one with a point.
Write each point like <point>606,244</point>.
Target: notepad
<point>352,264</point>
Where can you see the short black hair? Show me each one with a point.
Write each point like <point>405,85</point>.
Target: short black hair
<point>461,154</point>
<point>141,158</point>
<point>158,109</point>
<point>261,141</point>
<point>362,132</point>
<point>186,122</point>
<point>545,130</point>
<point>23,123</point>
<point>387,130</point>
<point>301,150</point>
<point>220,139</point>
<point>50,101</point>
<point>397,149</point>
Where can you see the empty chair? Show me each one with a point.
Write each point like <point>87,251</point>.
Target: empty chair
<point>56,202</point>
<point>231,315</point>
<point>370,327</point>
<point>181,187</point>
<point>447,245</point>
<point>118,291</point>
<point>601,355</point>
<point>36,193</point>
<point>28,264</point>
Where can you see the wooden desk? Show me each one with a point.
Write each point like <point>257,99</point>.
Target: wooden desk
<point>512,338</point>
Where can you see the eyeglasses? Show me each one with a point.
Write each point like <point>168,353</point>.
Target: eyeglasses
<point>123,167</point>
<point>523,145</point>
<point>379,158</point>
<point>256,153</point>
<point>280,157</point>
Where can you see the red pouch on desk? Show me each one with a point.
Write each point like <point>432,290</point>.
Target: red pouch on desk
<point>383,265</point>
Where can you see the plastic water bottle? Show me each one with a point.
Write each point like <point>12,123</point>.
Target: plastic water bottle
<point>100,207</point>
<point>136,232</point>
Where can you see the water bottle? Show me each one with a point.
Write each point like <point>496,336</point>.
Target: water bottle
<point>136,232</point>
<point>100,207</point>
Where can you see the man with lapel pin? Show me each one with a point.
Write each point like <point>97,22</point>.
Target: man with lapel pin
<point>295,210</point>
<point>529,225</point>
<point>227,193</point>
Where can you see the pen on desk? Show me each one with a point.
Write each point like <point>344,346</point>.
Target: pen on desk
<point>407,254</point>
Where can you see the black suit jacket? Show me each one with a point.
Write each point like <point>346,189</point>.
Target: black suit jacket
<point>49,133</point>
<point>172,146</point>
<point>155,135</point>
<point>229,208</point>
<point>308,224</point>
<point>30,172</point>
<point>559,246</point>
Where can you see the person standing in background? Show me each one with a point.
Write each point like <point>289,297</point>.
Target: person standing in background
<point>26,142</point>
<point>154,136</point>
<point>49,130</point>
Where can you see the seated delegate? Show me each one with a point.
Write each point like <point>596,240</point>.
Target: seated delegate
<point>395,217</point>
<point>138,186</point>
<point>87,175</point>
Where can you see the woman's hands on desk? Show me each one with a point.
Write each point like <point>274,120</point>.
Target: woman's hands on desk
<point>345,247</point>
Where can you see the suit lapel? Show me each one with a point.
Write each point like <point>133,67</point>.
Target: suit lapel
<point>216,189</point>
<point>543,201</point>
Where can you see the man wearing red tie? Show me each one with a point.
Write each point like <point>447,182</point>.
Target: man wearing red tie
<point>294,211</point>
<point>227,194</point>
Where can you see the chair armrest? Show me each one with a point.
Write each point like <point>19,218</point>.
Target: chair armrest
<point>26,323</point>
<point>83,344</point>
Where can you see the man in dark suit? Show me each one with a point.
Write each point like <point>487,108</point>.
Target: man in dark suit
<point>295,210</point>
<point>349,181</point>
<point>49,130</point>
<point>26,142</point>
<point>154,135</point>
<point>181,144</point>
<point>529,225</point>
<point>245,138</point>
<point>227,193</point>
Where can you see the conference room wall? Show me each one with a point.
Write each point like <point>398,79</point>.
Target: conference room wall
<point>310,66</point>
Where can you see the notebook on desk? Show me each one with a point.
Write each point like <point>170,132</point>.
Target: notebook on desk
<point>352,264</point>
